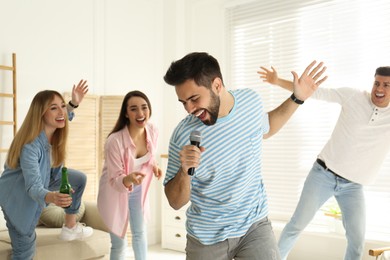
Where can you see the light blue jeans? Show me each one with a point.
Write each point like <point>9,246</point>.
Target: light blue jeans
<point>77,180</point>
<point>319,186</point>
<point>23,246</point>
<point>138,230</point>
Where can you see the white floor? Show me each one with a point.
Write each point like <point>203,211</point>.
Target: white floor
<point>155,252</point>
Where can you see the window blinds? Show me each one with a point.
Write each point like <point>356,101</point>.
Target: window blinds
<point>351,38</point>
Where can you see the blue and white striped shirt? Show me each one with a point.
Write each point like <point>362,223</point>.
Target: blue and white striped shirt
<point>227,190</point>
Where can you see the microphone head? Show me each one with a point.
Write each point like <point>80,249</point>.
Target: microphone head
<point>195,136</point>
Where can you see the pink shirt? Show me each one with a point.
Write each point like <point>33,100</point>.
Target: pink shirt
<point>119,162</point>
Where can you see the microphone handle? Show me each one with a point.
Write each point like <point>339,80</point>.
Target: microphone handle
<point>191,170</point>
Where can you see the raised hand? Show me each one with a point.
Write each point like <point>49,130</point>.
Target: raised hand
<point>305,85</point>
<point>78,92</point>
<point>270,76</point>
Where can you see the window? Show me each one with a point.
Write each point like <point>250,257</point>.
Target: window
<point>351,38</point>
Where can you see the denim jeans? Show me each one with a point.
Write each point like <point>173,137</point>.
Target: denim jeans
<point>23,246</point>
<point>137,227</point>
<point>78,181</point>
<point>319,186</point>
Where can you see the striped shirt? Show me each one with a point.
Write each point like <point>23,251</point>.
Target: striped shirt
<point>227,190</point>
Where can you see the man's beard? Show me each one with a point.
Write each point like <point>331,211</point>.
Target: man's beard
<point>213,109</point>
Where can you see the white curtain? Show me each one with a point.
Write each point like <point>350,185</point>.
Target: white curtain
<point>352,38</point>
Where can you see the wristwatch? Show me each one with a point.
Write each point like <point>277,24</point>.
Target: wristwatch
<point>298,101</point>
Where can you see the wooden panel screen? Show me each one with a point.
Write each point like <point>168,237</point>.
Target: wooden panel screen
<point>109,107</point>
<point>83,143</point>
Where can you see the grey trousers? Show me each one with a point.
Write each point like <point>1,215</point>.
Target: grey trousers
<point>258,243</point>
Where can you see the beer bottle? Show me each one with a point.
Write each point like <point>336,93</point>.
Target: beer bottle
<point>65,185</point>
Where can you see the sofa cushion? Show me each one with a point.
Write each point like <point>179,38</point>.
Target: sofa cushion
<point>53,216</point>
<point>5,245</point>
<point>2,221</point>
<point>49,246</point>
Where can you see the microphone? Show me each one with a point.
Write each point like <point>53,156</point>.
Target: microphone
<point>195,138</point>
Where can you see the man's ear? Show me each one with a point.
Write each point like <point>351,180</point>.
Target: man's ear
<point>217,84</point>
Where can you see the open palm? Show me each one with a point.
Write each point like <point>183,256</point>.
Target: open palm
<point>305,85</point>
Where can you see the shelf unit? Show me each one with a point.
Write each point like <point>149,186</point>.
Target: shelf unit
<point>10,95</point>
<point>173,230</point>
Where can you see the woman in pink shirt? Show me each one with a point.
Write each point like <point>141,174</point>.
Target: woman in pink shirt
<point>127,172</point>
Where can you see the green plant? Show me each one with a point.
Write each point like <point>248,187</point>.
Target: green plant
<point>332,210</point>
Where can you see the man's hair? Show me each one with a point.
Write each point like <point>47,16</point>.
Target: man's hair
<point>199,66</point>
<point>383,71</point>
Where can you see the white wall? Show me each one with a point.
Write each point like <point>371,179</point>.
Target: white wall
<point>116,45</point>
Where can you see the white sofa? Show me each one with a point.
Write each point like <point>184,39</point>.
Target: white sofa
<point>49,246</point>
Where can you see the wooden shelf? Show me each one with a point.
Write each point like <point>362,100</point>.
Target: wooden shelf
<point>12,96</point>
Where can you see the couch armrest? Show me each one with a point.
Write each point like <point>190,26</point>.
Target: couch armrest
<point>92,217</point>
<point>378,251</point>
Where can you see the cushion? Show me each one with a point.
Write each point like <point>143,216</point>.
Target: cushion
<point>50,247</point>
<point>385,255</point>
<point>54,216</point>
<point>2,221</point>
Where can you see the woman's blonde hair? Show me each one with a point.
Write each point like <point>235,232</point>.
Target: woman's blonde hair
<point>33,125</point>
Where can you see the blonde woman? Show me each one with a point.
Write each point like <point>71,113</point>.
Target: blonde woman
<point>32,172</point>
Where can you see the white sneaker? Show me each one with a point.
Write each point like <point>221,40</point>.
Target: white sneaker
<point>79,231</point>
